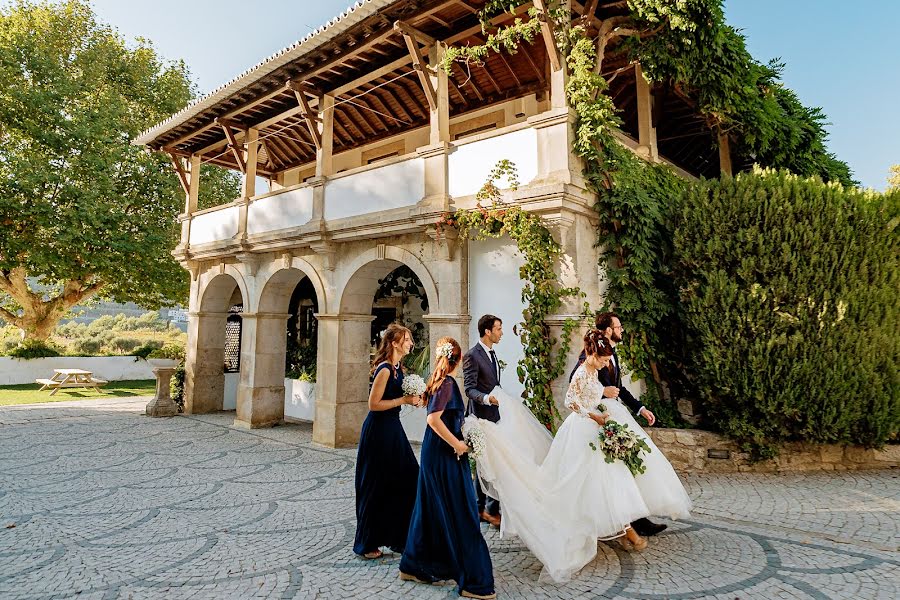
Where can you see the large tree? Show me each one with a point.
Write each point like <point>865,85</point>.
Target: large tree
<point>83,212</point>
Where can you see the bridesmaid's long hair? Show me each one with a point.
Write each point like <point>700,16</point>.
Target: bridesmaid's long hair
<point>394,333</point>
<point>443,365</point>
<point>596,344</point>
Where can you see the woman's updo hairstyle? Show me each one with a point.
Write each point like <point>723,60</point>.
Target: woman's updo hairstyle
<point>447,355</point>
<point>596,344</point>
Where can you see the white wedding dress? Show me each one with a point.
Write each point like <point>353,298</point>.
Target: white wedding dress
<point>560,496</point>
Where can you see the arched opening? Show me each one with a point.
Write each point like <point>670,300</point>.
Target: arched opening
<point>212,344</point>
<point>283,352</point>
<point>378,293</point>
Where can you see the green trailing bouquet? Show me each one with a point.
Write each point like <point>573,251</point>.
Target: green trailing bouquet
<point>618,442</point>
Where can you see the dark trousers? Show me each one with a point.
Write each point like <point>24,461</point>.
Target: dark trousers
<point>485,502</point>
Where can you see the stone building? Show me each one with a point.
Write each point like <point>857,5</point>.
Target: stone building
<point>365,144</point>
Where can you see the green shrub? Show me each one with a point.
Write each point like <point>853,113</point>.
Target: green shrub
<point>125,345</point>
<point>172,351</point>
<point>144,350</point>
<point>87,346</point>
<point>176,387</point>
<point>789,300</point>
<point>35,349</point>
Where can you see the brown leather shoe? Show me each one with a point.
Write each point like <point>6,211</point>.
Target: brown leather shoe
<point>493,520</point>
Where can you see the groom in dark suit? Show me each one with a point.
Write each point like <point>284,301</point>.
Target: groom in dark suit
<point>481,373</point>
<point>611,327</point>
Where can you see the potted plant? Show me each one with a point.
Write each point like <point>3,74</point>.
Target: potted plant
<point>167,357</point>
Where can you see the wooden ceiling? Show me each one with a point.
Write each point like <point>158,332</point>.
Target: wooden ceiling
<point>394,102</point>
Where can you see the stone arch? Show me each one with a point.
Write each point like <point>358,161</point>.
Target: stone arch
<point>371,264</point>
<point>261,393</point>
<point>205,385</point>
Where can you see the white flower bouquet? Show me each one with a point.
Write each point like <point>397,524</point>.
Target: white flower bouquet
<point>474,436</point>
<point>413,385</point>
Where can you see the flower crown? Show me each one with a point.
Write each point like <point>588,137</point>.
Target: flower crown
<point>445,350</point>
<point>597,338</point>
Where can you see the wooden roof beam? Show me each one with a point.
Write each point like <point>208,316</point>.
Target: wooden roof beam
<point>237,150</point>
<point>413,37</point>
<point>180,171</point>
<point>547,33</point>
<point>301,91</point>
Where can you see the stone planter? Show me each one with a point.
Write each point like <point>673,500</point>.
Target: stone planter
<point>162,404</point>
<point>299,400</point>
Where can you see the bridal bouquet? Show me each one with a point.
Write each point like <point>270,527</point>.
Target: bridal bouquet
<point>474,436</point>
<point>618,442</point>
<point>413,385</point>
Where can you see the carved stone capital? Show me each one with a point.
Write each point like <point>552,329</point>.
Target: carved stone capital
<point>328,251</point>
<point>250,261</point>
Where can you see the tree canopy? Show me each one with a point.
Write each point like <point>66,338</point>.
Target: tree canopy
<point>82,210</point>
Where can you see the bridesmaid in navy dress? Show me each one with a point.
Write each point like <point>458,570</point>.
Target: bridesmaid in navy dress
<point>445,539</point>
<point>386,468</point>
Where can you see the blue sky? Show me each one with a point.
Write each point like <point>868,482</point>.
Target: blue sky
<point>839,55</point>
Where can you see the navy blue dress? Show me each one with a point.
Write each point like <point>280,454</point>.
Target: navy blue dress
<point>386,475</point>
<point>445,540</point>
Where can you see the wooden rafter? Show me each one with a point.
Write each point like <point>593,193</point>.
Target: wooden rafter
<point>363,103</point>
<point>392,96</point>
<point>471,81</point>
<point>238,150</point>
<point>525,50</point>
<point>413,37</point>
<point>402,89</point>
<point>302,93</point>
<point>587,14</point>
<point>376,99</point>
<point>547,33</point>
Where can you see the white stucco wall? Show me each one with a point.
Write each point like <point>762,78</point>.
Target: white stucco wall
<point>470,164</point>
<point>15,371</point>
<point>413,421</point>
<point>495,288</point>
<point>383,188</point>
<point>214,226</point>
<point>281,211</point>
<point>299,400</point>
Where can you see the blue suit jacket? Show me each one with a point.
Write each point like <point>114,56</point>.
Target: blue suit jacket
<point>480,378</point>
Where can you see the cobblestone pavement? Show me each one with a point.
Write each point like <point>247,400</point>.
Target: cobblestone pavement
<point>100,502</point>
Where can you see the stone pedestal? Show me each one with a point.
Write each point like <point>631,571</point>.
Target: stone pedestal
<point>162,404</point>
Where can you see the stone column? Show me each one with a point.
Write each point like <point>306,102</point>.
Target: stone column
<point>204,381</point>
<point>260,395</point>
<point>162,404</point>
<point>342,378</point>
<point>646,131</point>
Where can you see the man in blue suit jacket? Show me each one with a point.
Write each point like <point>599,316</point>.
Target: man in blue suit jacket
<point>481,373</point>
<point>611,378</point>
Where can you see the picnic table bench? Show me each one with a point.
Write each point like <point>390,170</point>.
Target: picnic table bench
<point>70,378</point>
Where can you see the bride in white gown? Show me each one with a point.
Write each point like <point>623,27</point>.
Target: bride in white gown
<point>560,496</point>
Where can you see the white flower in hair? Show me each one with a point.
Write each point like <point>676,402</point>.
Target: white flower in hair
<point>445,350</point>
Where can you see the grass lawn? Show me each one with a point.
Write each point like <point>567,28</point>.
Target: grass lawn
<point>29,394</point>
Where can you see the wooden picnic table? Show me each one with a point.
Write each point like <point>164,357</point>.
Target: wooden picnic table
<point>70,378</point>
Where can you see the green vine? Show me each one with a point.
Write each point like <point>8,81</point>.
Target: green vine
<point>541,291</point>
<point>686,45</point>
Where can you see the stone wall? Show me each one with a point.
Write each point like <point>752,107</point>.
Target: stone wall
<point>692,451</point>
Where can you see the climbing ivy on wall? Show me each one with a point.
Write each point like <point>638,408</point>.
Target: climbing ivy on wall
<point>543,296</point>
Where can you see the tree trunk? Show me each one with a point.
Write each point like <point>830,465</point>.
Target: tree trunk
<point>39,315</point>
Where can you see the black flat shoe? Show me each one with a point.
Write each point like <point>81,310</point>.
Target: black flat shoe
<point>646,527</point>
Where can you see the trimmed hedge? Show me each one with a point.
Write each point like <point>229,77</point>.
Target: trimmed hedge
<point>790,301</point>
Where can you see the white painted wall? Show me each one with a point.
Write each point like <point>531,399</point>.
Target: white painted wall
<point>15,371</point>
<point>383,188</point>
<point>215,226</point>
<point>280,211</point>
<point>229,400</point>
<point>470,164</point>
<point>495,288</point>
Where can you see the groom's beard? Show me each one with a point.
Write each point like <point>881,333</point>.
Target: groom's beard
<point>615,337</point>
